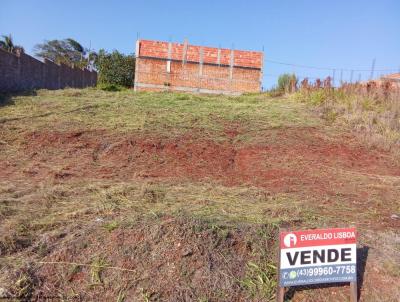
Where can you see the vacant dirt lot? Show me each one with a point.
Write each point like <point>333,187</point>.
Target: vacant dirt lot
<point>175,197</point>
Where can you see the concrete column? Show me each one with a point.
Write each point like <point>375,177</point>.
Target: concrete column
<point>201,61</point>
<point>262,70</point>
<point>137,54</point>
<point>184,53</point>
<point>58,76</point>
<point>231,64</point>
<point>168,65</point>
<point>169,57</point>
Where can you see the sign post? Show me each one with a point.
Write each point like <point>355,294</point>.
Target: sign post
<point>316,257</point>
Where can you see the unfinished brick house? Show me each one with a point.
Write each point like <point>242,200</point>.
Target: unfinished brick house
<point>183,67</point>
<point>391,81</point>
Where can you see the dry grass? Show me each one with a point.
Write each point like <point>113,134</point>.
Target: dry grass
<point>373,113</point>
<point>53,211</point>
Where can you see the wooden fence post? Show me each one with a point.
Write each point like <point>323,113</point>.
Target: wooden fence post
<point>353,292</point>
<point>280,293</point>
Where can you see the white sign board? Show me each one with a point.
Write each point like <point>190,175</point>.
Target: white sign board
<point>318,256</point>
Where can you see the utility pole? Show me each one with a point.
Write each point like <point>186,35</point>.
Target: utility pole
<point>333,77</point>
<point>341,77</point>
<point>88,57</point>
<point>372,69</point>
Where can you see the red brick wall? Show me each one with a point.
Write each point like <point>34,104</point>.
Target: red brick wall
<point>192,73</point>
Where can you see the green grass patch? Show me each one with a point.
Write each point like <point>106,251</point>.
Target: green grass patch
<point>156,113</point>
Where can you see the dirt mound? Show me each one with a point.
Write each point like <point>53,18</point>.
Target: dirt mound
<point>288,160</point>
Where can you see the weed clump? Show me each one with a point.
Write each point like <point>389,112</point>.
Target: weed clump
<point>260,280</point>
<point>96,269</point>
<point>372,111</point>
<point>153,194</point>
<point>24,284</point>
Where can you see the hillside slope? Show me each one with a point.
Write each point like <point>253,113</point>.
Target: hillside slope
<point>122,196</point>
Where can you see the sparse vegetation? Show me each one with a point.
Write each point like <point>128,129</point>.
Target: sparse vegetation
<point>373,112</point>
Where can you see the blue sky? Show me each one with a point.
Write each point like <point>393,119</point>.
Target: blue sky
<point>334,34</point>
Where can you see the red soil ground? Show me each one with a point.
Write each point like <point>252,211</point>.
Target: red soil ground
<point>305,162</point>
<point>290,160</point>
<point>290,157</point>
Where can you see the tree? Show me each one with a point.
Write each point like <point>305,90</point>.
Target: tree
<point>115,68</point>
<point>67,51</point>
<point>8,45</point>
<point>77,47</point>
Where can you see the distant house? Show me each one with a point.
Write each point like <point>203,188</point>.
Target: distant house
<point>183,67</point>
<point>394,78</point>
<point>391,81</point>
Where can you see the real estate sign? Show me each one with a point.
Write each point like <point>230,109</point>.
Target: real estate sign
<point>318,256</point>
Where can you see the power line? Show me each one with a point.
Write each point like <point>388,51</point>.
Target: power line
<point>325,68</point>
<point>298,76</point>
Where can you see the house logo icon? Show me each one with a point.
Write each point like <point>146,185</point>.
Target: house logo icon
<point>290,240</point>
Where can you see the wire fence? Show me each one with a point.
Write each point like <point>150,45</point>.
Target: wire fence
<point>338,75</point>
<point>331,68</point>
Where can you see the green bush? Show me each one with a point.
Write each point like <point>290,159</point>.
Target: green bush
<point>318,97</point>
<point>110,87</point>
<point>287,82</point>
<point>115,69</point>
<point>314,97</point>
